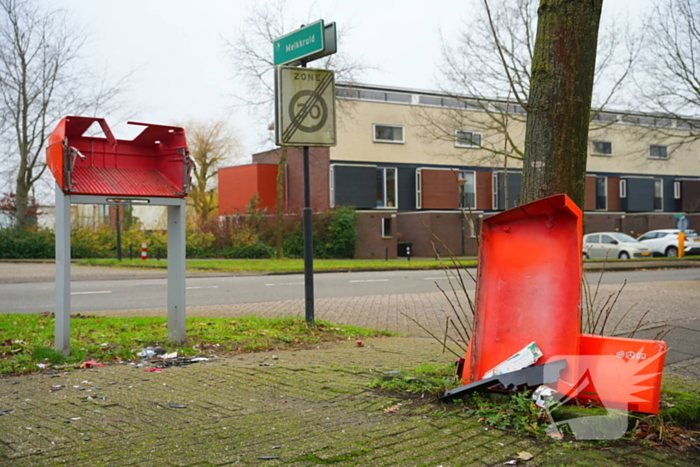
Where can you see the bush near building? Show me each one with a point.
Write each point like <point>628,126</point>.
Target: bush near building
<point>245,236</point>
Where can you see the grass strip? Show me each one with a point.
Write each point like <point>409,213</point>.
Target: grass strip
<point>26,340</point>
<point>274,265</point>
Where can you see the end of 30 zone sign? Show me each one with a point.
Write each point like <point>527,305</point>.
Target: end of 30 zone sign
<point>305,112</point>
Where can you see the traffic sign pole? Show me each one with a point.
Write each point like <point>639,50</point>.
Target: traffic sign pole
<point>305,115</point>
<point>308,241</point>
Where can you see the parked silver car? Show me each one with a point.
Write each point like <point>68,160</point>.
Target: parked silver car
<point>613,245</point>
<point>664,242</point>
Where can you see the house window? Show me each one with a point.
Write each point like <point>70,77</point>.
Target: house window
<point>658,194</point>
<point>419,195</point>
<point>601,148</point>
<point>601,190</point>
<point>386,227</point>
<point>388,133</point>
<point>331,186</point>
<point>467,139</point>
<point>676,190</point>
<point>623,188</point>
<point>657,151</point>
<point>386,187</point>
<point>469,198</point>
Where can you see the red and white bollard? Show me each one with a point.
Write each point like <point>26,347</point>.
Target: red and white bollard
<point>144,251</point>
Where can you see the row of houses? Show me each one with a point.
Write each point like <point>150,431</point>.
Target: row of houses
<point>412,162</point>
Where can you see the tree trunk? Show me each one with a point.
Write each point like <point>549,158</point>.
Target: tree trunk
<point>22,204</point>
<point>556,138</point>
<point>279,234</point>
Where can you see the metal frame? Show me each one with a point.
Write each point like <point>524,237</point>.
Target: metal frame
<point>176,260</point>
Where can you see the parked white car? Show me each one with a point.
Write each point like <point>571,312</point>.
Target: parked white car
<point>664,242</point>
<point>613,245</point>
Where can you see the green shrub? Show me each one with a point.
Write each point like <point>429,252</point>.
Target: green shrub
<point>342,233</point>
<point>200,244</point>
<point>250,251</point>
<point>27,244</point>
<point>87,242</point>
<point>334,235</point>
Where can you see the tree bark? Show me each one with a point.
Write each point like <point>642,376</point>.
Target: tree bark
<point>556,138</point>
<point>279,208</point>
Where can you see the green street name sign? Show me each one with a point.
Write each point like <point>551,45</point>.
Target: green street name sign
<point>299,44</point>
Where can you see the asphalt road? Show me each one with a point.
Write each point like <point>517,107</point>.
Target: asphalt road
<point>659,299</point>
<point>147,292</point>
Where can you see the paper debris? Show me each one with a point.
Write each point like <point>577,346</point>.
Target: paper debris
<point>541,394</point>
<point>523,358</point>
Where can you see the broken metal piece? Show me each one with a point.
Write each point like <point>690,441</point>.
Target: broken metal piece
<point>531,376</point>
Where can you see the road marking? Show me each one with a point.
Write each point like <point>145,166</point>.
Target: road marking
<point>371,280</point>
<point>285,283</point>
<point>203,287</point>
<point>90,293</point>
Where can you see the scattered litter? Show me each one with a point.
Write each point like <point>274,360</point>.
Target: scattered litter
<point>523,358</point>
<point>202,359</point>
<point>359,343</point>
<point>542,395</point>
<point>553,432</point>
<point>392,372</point>
<point>169,356</point>
<point>57,387</point>
<point>275,357</point>
<point>87,439</point>
<point>151,370</point>
<point>513,462</point>
<point>149,352</point>
<point>75,418</point>
<point>276,447</point>
<point>173,405</point>
<point>4,411</point>
<point>268,458</point>
<point>524,455</point>
<point>41,365</point>
<point>392,409</point>
<point>90,364</point>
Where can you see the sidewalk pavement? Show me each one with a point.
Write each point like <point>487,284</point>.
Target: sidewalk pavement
<point>305,408</point>
<point>302,408</point>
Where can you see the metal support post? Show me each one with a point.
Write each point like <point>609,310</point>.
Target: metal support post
<point>176,272</point>
<point>119,234</point>
<point>308,245</point>
<point>62,309</point>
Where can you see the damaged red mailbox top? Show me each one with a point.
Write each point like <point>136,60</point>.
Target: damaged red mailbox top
<point>528,285</point>
<point>154,164</point>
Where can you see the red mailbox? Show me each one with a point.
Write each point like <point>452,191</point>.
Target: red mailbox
<point>154,164</point>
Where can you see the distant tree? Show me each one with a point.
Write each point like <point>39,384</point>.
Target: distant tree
<point>251,55</point>
<point>8,206</point>
<point>671,79</point>
<point>212,144</point>
<point>39,80</point>
<point>561,87</point>
<point>486,69</point>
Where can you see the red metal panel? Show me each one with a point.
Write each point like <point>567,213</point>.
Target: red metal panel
<point>528,285</point>
<point>121,182</point>
<point>155,163</point>
<point>620,373</point>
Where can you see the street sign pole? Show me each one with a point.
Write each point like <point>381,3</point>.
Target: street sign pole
<point>305,115</point>
<point>308,242</point>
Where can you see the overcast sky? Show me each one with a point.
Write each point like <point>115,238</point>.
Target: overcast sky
<point>176,55</point>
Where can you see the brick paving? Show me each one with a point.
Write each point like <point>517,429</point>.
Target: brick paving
<point>303,408</point>
<point>306,407</point>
